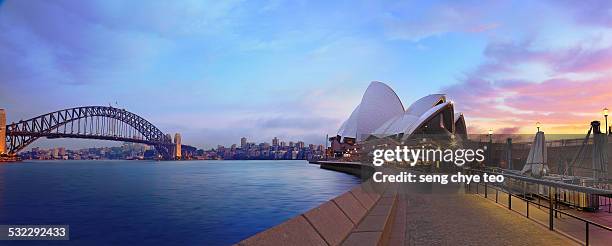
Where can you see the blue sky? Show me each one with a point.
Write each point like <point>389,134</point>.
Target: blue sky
<point>219,70</point>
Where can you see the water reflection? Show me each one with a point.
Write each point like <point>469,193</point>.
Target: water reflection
<point>140,202</point>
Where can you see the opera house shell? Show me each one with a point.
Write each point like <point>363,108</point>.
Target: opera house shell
<point>381,114</point>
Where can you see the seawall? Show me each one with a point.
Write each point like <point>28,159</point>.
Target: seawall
<point>354,168</point>
<point>362,215</point>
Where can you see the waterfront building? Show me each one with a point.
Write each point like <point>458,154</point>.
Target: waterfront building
<point>61,151</point>
<point>381,114</point>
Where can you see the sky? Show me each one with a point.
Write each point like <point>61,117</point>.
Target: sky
<point>216,71</point>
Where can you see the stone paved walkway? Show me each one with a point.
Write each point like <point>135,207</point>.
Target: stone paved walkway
<point>443,215</point>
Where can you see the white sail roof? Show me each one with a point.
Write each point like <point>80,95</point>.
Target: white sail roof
<point>396,125</point>
<point>426,116</point>
<point>420,106</point>
<point>419,112</point>
<point>381,113</point>
<point>378,104</point>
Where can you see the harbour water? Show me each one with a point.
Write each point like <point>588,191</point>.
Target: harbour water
<point>162,203</point>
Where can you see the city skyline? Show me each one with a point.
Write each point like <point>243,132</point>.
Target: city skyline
<point>276,150</point>
<point>225,70</point>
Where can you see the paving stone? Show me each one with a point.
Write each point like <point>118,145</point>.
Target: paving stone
<point>398,230</point>
<point>372,223</point>
<point>386,200</point>
<point>296,231</point>
<point>374,191</point>
<point>451,218</point>
<point>330,222</point>
<point>363,197</point>
<point>391,190</point>
<point>351,207</point>
<point>363,239</point>
<point>381,209</point>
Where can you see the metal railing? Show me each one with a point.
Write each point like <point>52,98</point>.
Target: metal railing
<point>552,206</point>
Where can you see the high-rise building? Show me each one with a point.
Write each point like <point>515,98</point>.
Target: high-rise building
<point>2,131</point>
<point>55,152</point>
<point>275,141</point>
<point>243,142</point>
<point>177,142</point>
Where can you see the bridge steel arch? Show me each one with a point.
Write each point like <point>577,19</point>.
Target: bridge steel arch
<point>89,122</point>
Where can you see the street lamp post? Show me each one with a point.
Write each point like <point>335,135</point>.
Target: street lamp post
<point>605,113</point>
<point>538,125</point>
<point>490,148</point>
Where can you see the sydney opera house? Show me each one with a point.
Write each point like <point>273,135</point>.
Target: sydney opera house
<point>381,114</point>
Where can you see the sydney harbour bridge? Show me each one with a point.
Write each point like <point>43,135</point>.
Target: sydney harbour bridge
<point>90,122</point>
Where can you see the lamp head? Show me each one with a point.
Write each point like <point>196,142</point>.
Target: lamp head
<point>605,111</point>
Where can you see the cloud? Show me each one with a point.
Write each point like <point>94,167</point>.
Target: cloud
<point>403,23</point>
<point>590,12</point>
<point>496,95</point>
<point>224,69</point>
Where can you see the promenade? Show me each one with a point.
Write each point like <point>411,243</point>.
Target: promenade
<point>409,214</point>
<point>445,215</point>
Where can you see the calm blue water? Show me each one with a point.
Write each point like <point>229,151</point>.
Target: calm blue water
<point>162,203</point>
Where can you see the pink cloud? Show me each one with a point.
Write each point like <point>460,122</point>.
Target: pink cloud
<point>585,61</point>
<point>495,98</point>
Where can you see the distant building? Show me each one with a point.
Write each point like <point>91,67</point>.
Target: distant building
<point>188,152</point>
<point>275,141</point>
<point>61,151</point>
<point>150,154</point>
<point>243,142</point>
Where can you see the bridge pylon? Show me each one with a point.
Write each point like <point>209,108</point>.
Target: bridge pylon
<point>3,132</point>
<point>177,146</point>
